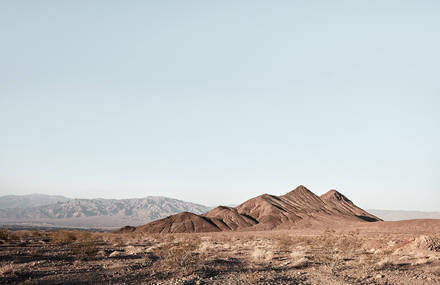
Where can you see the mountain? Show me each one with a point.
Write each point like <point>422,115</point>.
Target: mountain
<point>27,201</point>
<point>390,215</point>
<point>182,223</point>
<point>267,212</point>
<point>99,212</point>
<point>345,206</point>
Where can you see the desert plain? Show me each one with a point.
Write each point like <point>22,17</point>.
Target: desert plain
<point>406,252</point>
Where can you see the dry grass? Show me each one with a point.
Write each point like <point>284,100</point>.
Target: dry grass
<point>6,235</point>
<point>286,242</point>
<point>82,244</point>
<point>262,254</point>
<point>250,257</point>
<point>182,256</point>
<point>85,245</point>
<point>63,237</point>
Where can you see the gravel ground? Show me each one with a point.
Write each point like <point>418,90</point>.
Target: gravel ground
<point>238,258</point>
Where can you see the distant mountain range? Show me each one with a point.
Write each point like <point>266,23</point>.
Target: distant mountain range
<point>389,215</point>
<point>28,201</point>
<point>64,212</point>
<point>297,208</point>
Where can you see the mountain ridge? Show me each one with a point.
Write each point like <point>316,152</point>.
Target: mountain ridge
<point>267,212</point>
<point>100,212</point>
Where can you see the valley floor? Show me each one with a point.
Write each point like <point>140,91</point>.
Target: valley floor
<point>366,253</point>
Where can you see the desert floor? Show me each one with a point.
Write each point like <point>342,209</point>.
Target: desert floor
<point>406,252</point>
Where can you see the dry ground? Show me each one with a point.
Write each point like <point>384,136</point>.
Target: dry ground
<point>377,253</point>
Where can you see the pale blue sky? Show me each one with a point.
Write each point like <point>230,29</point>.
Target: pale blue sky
<point>219,101</point>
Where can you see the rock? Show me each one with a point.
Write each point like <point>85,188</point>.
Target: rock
<point>115,253</point>
<point>379,276</point>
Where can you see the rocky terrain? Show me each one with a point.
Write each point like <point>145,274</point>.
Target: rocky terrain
<point>98,212</point>
<point>405,252</point>
<point>267,212</point>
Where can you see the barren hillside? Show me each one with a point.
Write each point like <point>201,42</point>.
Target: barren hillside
<point>267,212</point>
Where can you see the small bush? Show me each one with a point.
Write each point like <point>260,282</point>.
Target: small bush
<point>81,243</point>
<point>85,249</point>
<point>385,263</point>
<point>181,256</point>
<point>64,237</point>
<point>433,243</point>
<point>6,235</point>
<point>285,242</point>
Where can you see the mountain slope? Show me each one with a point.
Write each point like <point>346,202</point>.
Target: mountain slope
<point>227,218</point>
<point>28,201</point>
<point>181,223</point>
<point>267,212</point>
<point>345,206</point>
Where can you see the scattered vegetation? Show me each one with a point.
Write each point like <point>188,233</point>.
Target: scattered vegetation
<point>85,245</point>
<point>350,257</point>
<point>82,244</point>
<point>180,256</point>
<point>63,237</point>
<point>286,242</point>
<point>6,235</point>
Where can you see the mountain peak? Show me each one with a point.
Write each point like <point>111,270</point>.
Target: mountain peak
<point>334,195</point>
<point>300,191</point>
<point>301,188</point>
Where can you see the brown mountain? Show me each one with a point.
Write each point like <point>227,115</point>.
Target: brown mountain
<point>184,222</point>
<point>344,206</point>
<point>265,212</point>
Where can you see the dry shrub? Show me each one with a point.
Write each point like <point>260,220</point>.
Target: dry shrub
<point>6,235</point>
<point>81,243</point>
<point>285,242</point>
<point>350,242</point>
<point>433,243</point>
<point>385,263</point>
<point>63,237</point>
<point>205,246</point>
<point>261,254</point>
<point>324,247</point>
<point>36,233</point>
<point>179,256</point>
<point>85,244</point>
<point>330,248</point>
<point>85,249</point>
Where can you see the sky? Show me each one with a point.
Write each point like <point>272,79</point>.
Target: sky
<point>216,102</point>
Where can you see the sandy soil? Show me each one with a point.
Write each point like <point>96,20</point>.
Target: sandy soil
<point>406,252</point>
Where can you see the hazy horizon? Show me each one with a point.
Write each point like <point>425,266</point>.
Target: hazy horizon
<point>215,103</point>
